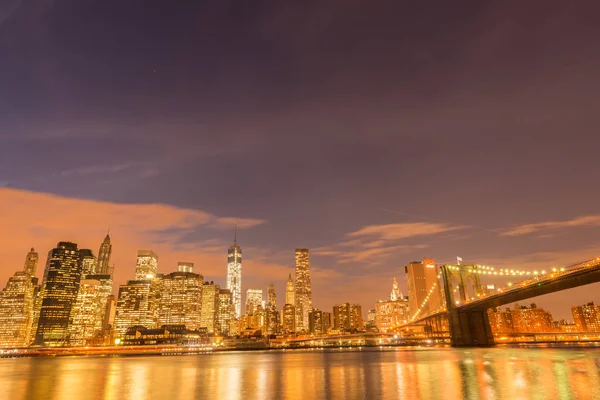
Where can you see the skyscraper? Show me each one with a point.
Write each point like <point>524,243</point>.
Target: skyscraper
<point>31,262</point>
<point>234,275</point>
<point>421,277</point>
<point>88,261</point>
<point>180,301</point>
<point>85,327</point>
<point>271,296</point>
<point>58,293</point>
<point>209,318</point>
<point>303,296</point>
<point>288,318</point>
<point>137,305</point>
<point>103,266</point>
<point>289,291</point>
<point>147,265</point>
<point>225,312</point>
<point>17,305</point>
<point>254,298</point>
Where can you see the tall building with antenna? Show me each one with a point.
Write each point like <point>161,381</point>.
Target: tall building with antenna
<point>303,295</point>
<point>234,274</point>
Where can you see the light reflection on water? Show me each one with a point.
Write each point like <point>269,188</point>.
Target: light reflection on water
<point>434,373</point>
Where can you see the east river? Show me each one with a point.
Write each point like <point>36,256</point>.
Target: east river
<point>369,373</point>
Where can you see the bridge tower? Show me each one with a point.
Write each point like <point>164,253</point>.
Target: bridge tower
<point>467,328</point>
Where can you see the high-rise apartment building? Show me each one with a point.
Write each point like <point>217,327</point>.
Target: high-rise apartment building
<point>531,319</point>
<point>234,275</point>
<point>586,317</point>
<point>58,294</point>
<point>17,305</point>
<point>147,265</point>
<point>303,295</point>
<point>254,298</point>
<point>421,277</point>
<point>209,317</point>
<point>272,320</point>
<point>104,253</point>
<point>347,317</point>
<point>289,291</point>
<point>180,301</point>
<point>288,319</point>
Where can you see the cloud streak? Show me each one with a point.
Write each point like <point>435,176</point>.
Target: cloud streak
<point>588,220</point>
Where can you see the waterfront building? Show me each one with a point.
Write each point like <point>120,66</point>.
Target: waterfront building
<point>421,278</point>
<point>180,301</point>
<point>389,315</point>
<point>17,301</point>
<point>315,322</point>
<point>226,313</point>
<point>288,319</point>
<point>104,253</point>
<point>587,317</point>
<point>303,295</point>
<point>272,324</point>
<point>501,321</point>
<point>531,319</point>
<point>136,305</point>
<point>289,291</point>
<point>185,266</point>
<point>209,317</point>
<point>234,275</point>
<point>166,334</point>
<point>347,317</point>
<point>146,266</point>
<point>85,327</point>
<point>254,299</point>
<point>327,321</point>
<point>58,294</point>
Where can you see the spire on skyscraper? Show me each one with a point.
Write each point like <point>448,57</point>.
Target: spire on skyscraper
<point>396,294</point>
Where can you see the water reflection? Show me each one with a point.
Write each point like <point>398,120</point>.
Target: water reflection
<point>442,373</point>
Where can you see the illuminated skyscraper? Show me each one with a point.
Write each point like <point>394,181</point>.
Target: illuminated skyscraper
<point>31,262</point>
<point>88,261</point>
<point>147,265</point>
<point>396,294</point>
<point>289,291</point>
<point>254,298</point>
<point>226,312</point>
<point>587,317</point>
<point>234,275</point>
<point>421,277</point>
<point>315,322</point>
<point>137,305</point>
<point>103,266</point>
<point>271,296</point>
<point>87,314</point>
<point>209,318</point>
<point>180,301</point>
<point>58,294</point>
<point>288,319</point>
<point>272,320</point>
<point>303,296</point>
<point>17,305</point>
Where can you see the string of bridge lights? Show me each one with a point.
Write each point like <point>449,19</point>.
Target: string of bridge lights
<point>427,297</point>
<point>485,270</point>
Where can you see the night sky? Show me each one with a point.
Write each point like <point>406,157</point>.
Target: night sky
<point>374,133</point>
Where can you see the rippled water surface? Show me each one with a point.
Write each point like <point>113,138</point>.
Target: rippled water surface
<point>434,373</point>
